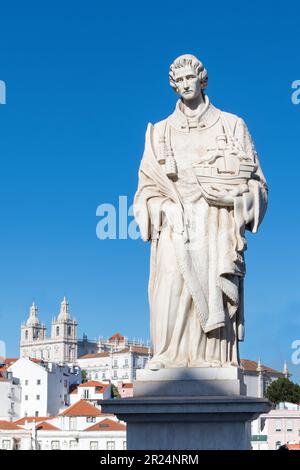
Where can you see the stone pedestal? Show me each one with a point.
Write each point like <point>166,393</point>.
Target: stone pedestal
<point>191,381</point>
<point>188,409</point>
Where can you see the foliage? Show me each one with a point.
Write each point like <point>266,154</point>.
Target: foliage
<point>283,390</point>
<point>83,376</point>
<point>115,392</point>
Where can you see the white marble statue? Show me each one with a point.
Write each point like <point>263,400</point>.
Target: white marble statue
<point>200,187</point>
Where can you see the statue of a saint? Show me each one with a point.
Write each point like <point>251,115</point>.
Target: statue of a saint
<point>200,188</point>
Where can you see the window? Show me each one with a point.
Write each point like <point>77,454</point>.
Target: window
<point>38,397</point>
<point>93,445</point>
<point>54,445</point>
<point>278,425</point>
<point>57,331</point>
<point>38,382</point>
<point>69,330</point>
<point>73,423</point>
<point>289,426</point>
<point>126,363</point>
<point>86,394</point>
<point>26,397</point>
<point>115,374</point>
<point>26,334</point>
<point>26,382</point>
<point>278,444</point>
<point>91,419</point>
<point>110,445</point>
<point>115,363</point>
<point>36,414</point>
<point>73,445</point>
<point>6,444</point>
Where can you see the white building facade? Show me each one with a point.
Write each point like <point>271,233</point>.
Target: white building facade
<point>91,391</point>
<point>10,397</point>
<point>45,386</point>
<point>115,365</point>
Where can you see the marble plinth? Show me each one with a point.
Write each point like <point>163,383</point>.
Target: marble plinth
<point>195,408</point>
<point>187,423</point>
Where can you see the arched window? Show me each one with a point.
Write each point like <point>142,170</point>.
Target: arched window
<point>26,334</point>
<point>57,331</point>
<point>69,330</point>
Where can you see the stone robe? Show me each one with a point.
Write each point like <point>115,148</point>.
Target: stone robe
<point>196,277</point>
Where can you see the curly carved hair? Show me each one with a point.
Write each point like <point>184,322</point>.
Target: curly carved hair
<point>196,64</point>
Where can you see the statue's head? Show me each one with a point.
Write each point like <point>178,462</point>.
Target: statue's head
<point>188,77</point>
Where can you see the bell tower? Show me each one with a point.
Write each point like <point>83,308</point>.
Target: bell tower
<point>64,335</point>
<point>32,332</point>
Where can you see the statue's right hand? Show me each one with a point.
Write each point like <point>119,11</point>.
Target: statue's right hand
<point>174,216</point>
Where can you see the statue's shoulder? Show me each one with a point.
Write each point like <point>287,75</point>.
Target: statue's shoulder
<point>232,119</point>
<point>160,126</point>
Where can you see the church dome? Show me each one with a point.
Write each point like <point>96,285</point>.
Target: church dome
<point>33,319</point>
<point>64,311</point>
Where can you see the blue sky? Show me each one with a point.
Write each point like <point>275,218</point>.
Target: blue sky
<point>83,79</point>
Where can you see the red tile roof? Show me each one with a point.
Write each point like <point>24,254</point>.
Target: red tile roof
<point>95,355</point>
<point>81,408</point>
<point>293,446</point>
<point>100,387</point>
<point>8,425</point>
<point>251,366</point>
<point>136,349</point>
<point>127,385</point>
<point>29,419</point>
<point>93,383</point>
<point>38,361</point>
<point>46,427</point>
<point>10,360</point>
<point>116,337</point>
<point>107,425</point>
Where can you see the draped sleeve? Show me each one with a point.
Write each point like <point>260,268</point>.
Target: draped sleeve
<point>153,190</point>
<point>250,208</point>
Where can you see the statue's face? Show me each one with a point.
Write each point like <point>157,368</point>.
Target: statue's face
<point>187,82</point>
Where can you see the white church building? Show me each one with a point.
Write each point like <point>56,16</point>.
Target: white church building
<point>60,347</point>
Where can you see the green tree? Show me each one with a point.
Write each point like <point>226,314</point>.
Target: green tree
<point>83,376</point>
<point>115,392</point>
<point>283,390</point>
